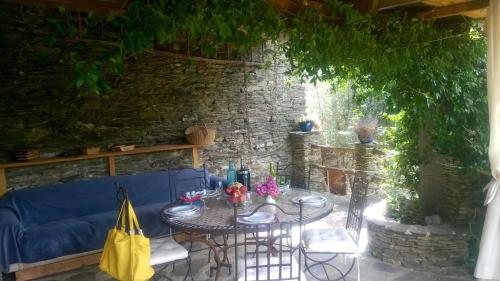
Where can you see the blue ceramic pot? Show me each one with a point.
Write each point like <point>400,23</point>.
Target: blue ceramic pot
<point>365,140</point>
<point>306,126</point>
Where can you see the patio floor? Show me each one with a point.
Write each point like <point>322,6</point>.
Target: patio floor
<point>371,268</point>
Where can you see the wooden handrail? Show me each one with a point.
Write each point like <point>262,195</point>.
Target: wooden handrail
<point>110,155</point>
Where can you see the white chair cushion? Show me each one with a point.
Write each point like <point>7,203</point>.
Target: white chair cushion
<point>334,240</point>
<point>274,271</point>
<point>165,249</point>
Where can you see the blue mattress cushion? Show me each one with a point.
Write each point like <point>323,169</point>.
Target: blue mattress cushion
<point>39,205</point>
<point>71,236</point>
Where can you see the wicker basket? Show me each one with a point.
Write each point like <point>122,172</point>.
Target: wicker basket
<point>200,134</point>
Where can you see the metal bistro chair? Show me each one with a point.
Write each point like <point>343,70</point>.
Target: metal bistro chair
<point>194,179</point>
<point>286,174</point>
<point>166,251</point>
<point>266,256</point>
<point>328,244</point>
<point>187,179</point>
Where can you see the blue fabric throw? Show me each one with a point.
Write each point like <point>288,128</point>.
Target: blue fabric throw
<point>47,222</point>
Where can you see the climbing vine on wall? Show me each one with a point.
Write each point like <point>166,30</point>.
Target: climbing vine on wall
<point>430,74</point>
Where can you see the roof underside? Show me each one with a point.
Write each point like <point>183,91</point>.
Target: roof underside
<point>429,9</point>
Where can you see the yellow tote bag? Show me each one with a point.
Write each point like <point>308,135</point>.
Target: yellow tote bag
<point>126,255</point>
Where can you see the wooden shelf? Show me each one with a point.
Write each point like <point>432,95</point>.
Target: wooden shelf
<point>110,155</point>
<point>138,150</point>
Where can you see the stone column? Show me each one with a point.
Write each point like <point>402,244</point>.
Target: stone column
<point>302,155</point>
<point>366,158</point>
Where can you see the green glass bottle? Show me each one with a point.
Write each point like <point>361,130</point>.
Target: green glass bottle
<point>272,170</point>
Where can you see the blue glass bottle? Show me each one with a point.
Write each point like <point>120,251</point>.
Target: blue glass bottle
<point>231,173</point>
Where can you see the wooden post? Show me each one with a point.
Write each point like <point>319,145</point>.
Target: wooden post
<point>196,158</point>
<point>3,182</point>
<point>111,166</point>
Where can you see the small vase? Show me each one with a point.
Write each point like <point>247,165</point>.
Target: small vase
<point>365,139</point>
<point>306,126</point>
<point>271,200</point>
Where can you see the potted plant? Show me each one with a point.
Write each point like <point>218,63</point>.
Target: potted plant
<point>305,124</point>
<point>365,129</point>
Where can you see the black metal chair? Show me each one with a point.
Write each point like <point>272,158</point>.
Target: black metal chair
<point>321,247</point>
<point>267,253</point>
<point>166,251</point>
<point>182,181</point>
<point>187,179</point>
<point>287,174</point>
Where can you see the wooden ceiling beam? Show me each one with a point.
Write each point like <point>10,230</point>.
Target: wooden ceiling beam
<point>453,10</point>
<point>392,4</point>
<point>97,6</point>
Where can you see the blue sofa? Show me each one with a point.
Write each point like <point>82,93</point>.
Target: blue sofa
<point>43,223</point>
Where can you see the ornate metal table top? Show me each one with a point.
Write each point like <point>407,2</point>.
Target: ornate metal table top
<point>217,218</point>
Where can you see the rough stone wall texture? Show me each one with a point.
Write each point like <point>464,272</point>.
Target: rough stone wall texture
<point>456,197</point>
<point>252,107</point>
<point>303,155</point>
<point>369,158</point>
<point>412,248</point>
<point>463,196</point>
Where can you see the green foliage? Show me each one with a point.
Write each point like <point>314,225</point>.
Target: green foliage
<point>404,206</point>
<point>431,75</point>
<point>428,75</point>
<point>207,24</point>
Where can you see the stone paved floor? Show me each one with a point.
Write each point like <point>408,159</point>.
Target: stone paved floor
<point>371,268</point>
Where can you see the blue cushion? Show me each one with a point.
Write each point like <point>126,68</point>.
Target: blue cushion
<point>10,229</point>
<point>57,202</point>
<point>66,237</point>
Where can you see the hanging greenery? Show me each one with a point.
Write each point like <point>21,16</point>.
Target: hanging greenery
<point>432,78</point>
<point>430,75</point>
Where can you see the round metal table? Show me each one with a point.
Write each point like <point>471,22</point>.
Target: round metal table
<point>217,218</point>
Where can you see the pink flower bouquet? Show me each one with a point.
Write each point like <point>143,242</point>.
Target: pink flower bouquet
<point>268,188</point>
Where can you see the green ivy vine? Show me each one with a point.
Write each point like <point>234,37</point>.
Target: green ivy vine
<point>431,75</point>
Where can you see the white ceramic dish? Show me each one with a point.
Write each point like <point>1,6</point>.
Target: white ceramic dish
<point>183,210</point>
<point>310,200</point>
<point>258,217</point>
<point>211,193</point>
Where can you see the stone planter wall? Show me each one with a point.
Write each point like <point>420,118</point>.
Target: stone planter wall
<point>303,155</point>
<point>414,246</point>
<point>252,107</point>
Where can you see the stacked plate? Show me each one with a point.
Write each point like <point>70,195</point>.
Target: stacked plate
<point>256,218</point>
<point>310,200</point>
<point>284,188</point>
<point>182,211</point>
<point>209,193</point>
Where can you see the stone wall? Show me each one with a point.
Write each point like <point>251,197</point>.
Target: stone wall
<point>303,156</point>
<point>253,108</point>
<point>457,197</point>
<point>415,246</point>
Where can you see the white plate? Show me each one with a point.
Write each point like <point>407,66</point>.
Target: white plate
<point>284,188</point>
<point>211,193</point>
<point>312,200</point>
<point>258,217</point>
<point>182,210</point>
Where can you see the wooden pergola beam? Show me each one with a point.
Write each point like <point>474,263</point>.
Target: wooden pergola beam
<point>453,10</point>
<point>97,6</point>
<point>392,4</point>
